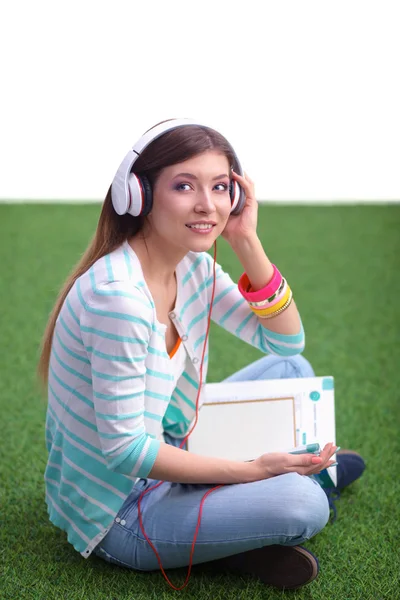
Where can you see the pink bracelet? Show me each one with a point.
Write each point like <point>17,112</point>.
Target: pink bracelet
<point>261,312</point>
<point>280,297</point>
<point>279,294</point>
<point>266,292</point>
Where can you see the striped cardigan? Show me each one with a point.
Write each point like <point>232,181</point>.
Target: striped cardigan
<point>111,390</point>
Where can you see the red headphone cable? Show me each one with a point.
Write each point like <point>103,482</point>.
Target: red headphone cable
<point>181,445</point>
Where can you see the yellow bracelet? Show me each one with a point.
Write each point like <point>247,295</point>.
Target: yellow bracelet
<point>260,312</point>
<point>278,311</point>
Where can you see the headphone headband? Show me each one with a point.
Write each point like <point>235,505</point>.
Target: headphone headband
<point>121,195</point>
<point>158,130</point>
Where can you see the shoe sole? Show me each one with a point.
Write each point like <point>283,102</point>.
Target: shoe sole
<point>283,567</point>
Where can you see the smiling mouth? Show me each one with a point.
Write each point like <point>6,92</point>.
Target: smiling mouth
<point>201,227</point>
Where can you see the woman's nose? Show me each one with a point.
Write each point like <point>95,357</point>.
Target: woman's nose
<point>204,201</point>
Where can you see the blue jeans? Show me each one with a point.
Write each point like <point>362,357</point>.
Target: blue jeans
<point>287,509</point>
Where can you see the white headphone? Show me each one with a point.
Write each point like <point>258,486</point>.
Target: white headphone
<point>132,193</point>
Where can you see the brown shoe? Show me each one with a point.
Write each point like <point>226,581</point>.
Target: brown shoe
<point>284,567</point>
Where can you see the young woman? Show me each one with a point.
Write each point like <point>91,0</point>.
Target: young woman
<point>125,354</point>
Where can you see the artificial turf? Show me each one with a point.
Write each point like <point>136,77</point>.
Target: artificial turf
<point>342,263</point>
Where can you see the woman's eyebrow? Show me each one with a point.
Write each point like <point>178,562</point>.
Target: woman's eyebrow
<point>191,176</point>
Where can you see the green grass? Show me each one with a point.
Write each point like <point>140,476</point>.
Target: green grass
<point>342,263</point>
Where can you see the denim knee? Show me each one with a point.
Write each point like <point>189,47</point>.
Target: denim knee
<point>277,367</point>
<point>308,507</point>
<point>298,366</point>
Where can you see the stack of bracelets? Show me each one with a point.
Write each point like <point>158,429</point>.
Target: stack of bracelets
<point>271,300</point>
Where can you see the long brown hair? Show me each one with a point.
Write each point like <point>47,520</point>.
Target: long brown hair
<point>174,146</point>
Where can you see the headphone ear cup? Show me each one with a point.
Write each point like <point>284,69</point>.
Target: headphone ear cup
<point>237,196</point>
<point>231,191</point>
<point>148,195</point>
<point>140,195</point>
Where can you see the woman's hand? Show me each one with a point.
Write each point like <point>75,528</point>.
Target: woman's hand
<point>278,463</point>
<point>243,226</point>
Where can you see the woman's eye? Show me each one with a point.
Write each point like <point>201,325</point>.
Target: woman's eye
<point>220,187</point>
<point>181,186</point>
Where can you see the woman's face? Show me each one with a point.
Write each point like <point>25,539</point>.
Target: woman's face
<point>191,202</point>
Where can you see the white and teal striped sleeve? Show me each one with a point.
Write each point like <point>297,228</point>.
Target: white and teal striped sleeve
<point>232,312</point>
<point>116,325</point>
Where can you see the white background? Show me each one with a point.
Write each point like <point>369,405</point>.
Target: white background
<point>308,92</point>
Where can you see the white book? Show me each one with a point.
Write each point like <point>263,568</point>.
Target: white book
<point>242,420</point>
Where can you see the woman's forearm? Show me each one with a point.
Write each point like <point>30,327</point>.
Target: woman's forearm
<point>259,270</point>
<point>180,466</point>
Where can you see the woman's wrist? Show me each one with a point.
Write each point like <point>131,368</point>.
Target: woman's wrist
<point>255,262</point>
<point>253,472</point>
<point>246,244</point>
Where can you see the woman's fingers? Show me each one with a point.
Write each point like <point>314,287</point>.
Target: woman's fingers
<point>309,464</point>
<point>305,461</point>
<point>326,455</point>
<point>245,181</point>
<point>328,451</point>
